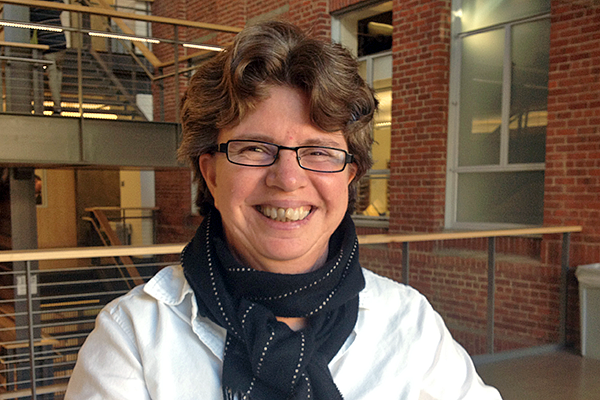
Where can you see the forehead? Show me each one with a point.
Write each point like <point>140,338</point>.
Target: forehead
<point>282,118</point>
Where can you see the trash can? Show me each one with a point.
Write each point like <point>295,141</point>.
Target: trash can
<point>589,304</point>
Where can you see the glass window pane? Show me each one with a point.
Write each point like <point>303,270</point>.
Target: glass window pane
<point>529,92</point>
<point>481,99</point>
<point>501,197</point>
<point>382,71</point>
<point>477,14</point>
<point>373,188</point>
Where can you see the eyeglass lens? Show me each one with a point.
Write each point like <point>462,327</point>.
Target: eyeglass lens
<point>315,158</point>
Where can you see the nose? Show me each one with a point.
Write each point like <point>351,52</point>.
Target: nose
<point>286,173</point>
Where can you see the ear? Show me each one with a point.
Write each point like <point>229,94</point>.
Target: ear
<point>207,164</point>
<point>351,171</point>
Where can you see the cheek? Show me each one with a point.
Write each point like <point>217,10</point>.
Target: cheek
<point>335,191</point>
<point>234,187</point>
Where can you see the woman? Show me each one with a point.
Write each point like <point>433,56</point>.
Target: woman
<point>270,301</point>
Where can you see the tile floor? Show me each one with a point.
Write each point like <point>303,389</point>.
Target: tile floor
<point>559,375</point>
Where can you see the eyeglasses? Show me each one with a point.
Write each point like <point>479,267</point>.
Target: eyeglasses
<point>253,153</point>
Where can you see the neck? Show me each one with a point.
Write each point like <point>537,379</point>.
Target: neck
<point>281,267</point>
<point>295,324</point>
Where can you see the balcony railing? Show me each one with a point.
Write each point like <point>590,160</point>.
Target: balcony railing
<point>47,312</point>
<point>110,68</point>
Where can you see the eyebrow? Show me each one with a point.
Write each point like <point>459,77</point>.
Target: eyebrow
<point>322,142</point>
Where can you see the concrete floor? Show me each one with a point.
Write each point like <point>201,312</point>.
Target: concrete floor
<point>559,375</point>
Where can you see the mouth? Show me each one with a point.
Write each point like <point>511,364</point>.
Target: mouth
<point>285,214</point>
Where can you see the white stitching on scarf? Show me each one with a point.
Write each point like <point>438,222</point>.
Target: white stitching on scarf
<point>246,314</point>
<point>294,379</point>
<point>262,356</point>
<point>227,342</point>
<point>335,289</point>
<point>308,396</point>
<point>305,287</point>
<point>212,278</point>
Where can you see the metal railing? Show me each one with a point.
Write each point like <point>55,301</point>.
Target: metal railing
<point>109,70</point>
<point>47,311</point>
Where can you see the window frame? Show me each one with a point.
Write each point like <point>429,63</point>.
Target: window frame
<point>339,35</point>
<point>453,169</point>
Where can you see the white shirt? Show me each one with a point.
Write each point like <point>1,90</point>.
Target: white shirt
<point>150,344</point>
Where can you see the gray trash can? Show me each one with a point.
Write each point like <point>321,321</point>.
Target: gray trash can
<point>589,304</point>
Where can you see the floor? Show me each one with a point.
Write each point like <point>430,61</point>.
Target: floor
<point>554,376</point>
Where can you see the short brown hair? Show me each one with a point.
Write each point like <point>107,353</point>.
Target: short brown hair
<point>228,86</point>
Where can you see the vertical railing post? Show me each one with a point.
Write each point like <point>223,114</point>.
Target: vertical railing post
<point>564,283</point>
<point>491,293</point>
<point>31,330</point>
<point>80,67</point>
<point>176,59</point>
<point>405,263</point>
<point>38,85</point>
<point>161,95</point>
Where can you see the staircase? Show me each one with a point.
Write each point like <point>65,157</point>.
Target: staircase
<point>110,84</point>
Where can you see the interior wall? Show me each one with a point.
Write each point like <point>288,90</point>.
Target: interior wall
<point>137,190</point>
<point>56,216</point>
<point>94,188</point>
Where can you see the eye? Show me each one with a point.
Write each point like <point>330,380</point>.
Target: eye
<point>319,152</point>
<point>254,148</point>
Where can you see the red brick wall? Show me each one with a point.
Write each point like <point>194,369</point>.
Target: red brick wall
<point>421,59</point>
<point>337,5</point>
<point>572,185</point>
<point>174,223</point>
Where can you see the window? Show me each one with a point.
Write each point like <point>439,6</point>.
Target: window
<point>498,113</point>
<point>368,34</point>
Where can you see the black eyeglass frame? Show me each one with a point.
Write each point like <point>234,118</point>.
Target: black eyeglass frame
<point>223,148</point>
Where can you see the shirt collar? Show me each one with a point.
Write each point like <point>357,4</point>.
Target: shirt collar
<point>169,286</point>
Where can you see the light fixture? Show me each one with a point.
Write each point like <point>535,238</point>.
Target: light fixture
<point>30,26</point>
<point>124,37</point>
<point>88,115</point>
<point>377,28</point>
<point>383,124</point>
<point>203,47</point>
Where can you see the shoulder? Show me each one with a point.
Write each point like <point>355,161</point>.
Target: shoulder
<point>381,291</point>
<point>397,309</point>
<point>166,291</point>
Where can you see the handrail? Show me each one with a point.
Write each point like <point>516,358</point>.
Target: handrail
<point>120,14</point>
<point>102,251</point>
<point>428,237</point>
<point>88,252</point>
<point>25,45</point>
<point>115,208</point>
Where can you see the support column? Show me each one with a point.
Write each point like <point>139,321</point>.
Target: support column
<point>23,216</point>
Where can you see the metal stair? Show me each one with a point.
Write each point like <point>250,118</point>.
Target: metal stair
<point>110,83</point>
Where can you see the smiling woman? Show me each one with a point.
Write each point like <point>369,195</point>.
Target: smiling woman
<point>270,301</point>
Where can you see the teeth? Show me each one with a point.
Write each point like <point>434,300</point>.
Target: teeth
<point>285,214</point>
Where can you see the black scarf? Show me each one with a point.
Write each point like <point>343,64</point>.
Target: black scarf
<point>264,359</point>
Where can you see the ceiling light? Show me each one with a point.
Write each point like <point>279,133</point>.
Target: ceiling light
<point>203,47</point>
<point>30,26</point>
